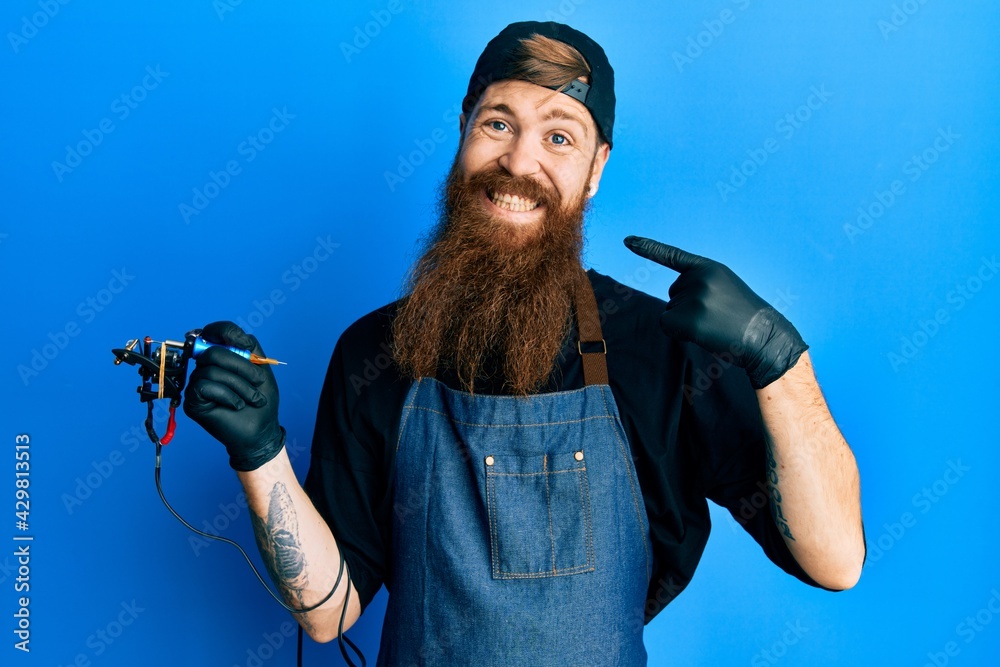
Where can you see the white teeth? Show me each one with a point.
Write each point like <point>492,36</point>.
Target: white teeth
<point>513,202</point>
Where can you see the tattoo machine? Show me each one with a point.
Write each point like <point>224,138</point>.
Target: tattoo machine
<point>163,368</point>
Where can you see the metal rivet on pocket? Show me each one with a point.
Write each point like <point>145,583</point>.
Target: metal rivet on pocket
<point>489,460</point>
<point>578,456</point>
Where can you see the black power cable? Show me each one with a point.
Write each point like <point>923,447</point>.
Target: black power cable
<point>341,638</point>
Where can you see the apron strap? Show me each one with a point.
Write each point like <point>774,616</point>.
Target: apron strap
<point>588,322</point>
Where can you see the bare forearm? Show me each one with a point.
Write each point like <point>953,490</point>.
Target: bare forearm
<point>815,488</point>
<point>297,547</point>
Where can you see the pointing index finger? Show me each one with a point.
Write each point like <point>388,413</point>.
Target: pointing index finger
<point>669,256</point>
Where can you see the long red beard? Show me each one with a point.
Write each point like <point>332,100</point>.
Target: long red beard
<point>489,297</point>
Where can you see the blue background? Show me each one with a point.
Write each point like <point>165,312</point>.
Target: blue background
<point>905,356</point>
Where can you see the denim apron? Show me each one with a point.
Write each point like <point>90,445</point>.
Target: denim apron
<point>519,531</point>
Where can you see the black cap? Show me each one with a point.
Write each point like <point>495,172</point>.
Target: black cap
<point>495,65</point>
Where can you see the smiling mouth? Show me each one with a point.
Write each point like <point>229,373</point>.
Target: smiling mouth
<point>514,203</point>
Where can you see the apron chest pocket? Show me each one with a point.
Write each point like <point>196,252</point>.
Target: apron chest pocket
<point>539,513</point>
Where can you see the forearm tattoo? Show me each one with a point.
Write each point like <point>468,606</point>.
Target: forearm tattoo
<point>280,545</point>
<point>772,482</point>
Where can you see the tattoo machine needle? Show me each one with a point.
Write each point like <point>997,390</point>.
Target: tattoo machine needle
<point>200,345</point>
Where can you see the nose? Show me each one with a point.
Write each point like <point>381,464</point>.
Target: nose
<point>521,158</point>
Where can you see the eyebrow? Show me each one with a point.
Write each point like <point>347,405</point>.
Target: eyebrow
<point>566,115</point>
<point>498,108</point>
<point>551,115</point>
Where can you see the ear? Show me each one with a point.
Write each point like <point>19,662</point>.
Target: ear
<point>461,128</point>
<point>600,159</point>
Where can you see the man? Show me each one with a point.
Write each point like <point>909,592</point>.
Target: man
<point>528,477</point>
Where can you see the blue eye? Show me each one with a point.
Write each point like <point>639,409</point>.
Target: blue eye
<point>498,125</point>
<point>559,140</point>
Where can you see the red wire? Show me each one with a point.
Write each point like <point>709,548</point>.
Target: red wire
<point>171,425</point>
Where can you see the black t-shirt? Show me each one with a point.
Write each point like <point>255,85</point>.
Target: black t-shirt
<point>692,421</point>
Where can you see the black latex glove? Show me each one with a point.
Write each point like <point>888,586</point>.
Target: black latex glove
<point>234,400</point>
<point>710,306</point>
